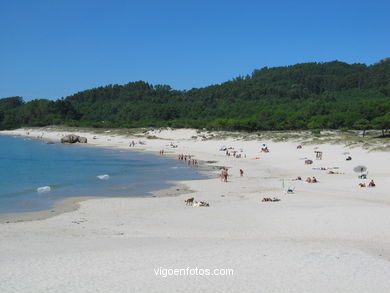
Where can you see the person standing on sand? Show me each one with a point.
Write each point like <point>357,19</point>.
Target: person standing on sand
<point>241,172</point>
<point>224,175</point>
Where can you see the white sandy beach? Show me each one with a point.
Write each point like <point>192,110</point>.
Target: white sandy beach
<point>330,236</point>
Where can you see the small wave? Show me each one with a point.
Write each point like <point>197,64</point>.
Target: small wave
<point>44,189</point>
<point>103,177</point>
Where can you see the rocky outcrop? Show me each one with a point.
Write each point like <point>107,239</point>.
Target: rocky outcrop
<point>82,139</point>
<point>72,138</point>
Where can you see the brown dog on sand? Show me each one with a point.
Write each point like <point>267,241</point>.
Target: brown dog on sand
<point>189,201</point>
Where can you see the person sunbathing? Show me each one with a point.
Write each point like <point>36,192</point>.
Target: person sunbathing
<point>298,178</point>
<point>362,184</point>
<point>371,184</point>
<point>270,199</point>
<point>308,180</point>
<point>314,180</point>
<point>349,158</point>
<point>198,204</point>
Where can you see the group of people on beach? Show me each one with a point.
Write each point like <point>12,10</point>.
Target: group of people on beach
<point>234,154</point>
<point>188,159</point>
<point>231,152</point>
<point>311,180</point>
<point>308,179</point>
<point>133,143</point>
<point>224,174</point>
<point>371,184</point>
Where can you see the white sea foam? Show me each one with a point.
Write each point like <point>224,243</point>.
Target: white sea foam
<point>44,189</point>
<point>103,177</point>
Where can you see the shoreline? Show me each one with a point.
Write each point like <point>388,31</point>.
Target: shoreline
<point>70,204</point>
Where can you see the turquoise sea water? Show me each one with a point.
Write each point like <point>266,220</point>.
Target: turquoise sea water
<point>72,170</point>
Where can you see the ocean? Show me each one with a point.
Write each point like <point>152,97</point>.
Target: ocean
<point>34,175</point>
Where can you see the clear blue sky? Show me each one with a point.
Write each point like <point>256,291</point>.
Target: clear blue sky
<point>51,49</point>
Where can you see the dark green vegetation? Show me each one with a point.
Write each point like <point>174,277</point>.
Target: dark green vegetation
<point>332,95</point>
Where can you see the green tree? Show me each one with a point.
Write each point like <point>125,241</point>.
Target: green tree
<point>362,124</point>
<point>382,123</point>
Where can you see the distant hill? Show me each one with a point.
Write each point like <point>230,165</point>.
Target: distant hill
<point>330,95</point>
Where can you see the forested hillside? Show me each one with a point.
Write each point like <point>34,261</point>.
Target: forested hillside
<point>329,95</point>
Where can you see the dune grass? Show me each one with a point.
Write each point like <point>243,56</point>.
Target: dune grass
<point>371,142</point>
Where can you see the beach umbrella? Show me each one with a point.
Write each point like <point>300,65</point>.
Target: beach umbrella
<point>360,169</point>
